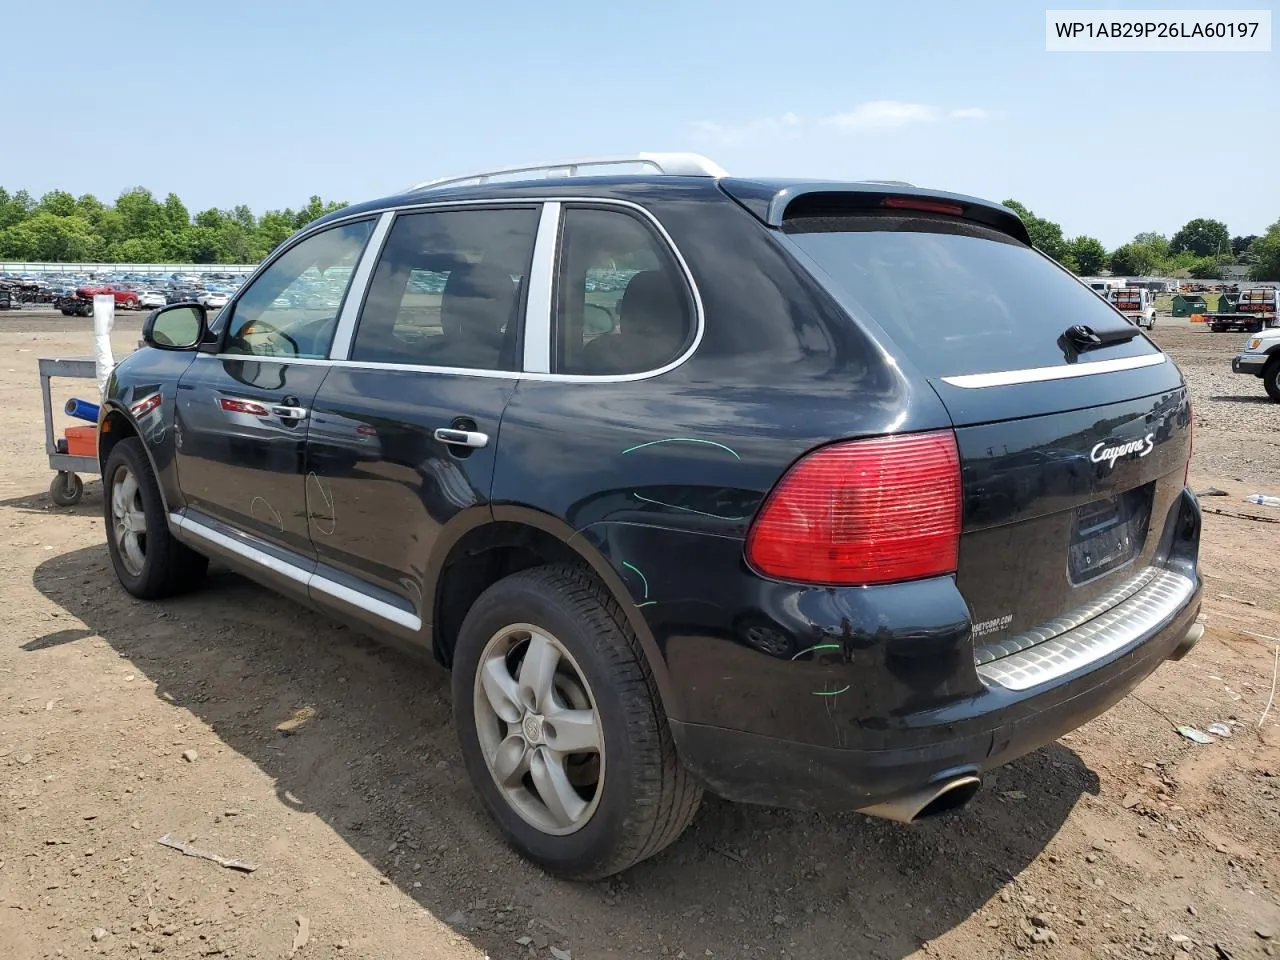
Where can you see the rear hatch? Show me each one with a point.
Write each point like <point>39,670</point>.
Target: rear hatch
<point>1073,443</point>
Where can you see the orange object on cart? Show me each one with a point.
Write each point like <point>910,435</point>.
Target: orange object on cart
<point>82,441</point>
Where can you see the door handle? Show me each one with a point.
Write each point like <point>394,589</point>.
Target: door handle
<point>290,413</point>
<point>462,438</point>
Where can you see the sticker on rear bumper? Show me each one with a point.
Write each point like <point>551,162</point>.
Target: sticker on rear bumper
<point>992,626</point>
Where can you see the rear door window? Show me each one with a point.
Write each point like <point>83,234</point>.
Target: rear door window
<point>957,298</point>
<point>449,290</point>
<point>622,305</point>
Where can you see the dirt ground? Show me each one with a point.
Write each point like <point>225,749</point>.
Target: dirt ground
<point>1122,840</point>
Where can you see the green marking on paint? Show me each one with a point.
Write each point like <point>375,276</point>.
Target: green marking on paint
<point>832,693</point>
<point>710,443</point>
<point>676,506</point>
<point>643,579</point>
<point>821,646</point>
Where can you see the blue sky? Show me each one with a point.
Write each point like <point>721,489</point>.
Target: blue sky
<point>269,102</point>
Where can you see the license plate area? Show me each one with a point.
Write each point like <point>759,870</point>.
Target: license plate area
<point>1109,533</point>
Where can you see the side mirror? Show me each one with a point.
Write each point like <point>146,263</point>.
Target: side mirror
<point>180,326</point>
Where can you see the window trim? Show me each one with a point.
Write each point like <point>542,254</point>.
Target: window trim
<point>345,333</point>
<point>539,323</point>
<point>540,301</point>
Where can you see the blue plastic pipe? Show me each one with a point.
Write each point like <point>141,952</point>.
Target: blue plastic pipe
<point>82,410</point>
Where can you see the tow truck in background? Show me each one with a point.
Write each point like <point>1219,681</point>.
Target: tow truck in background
<point>1257,309</point>
<point>1136,304</point>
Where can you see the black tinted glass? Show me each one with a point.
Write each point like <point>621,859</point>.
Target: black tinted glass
<point>447,290</point>
<point>622,305</point>
<point>292,307</point>
<point>962,301</point>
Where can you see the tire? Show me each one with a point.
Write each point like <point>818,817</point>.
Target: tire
<point>1271,379</point>
<point>643,798</point>
<point>66,489</point>
<point>149,563</point>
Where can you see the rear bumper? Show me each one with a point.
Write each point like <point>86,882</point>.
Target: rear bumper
<point>943,720</point>
<point>756,769</point>
<point>1251,363</point>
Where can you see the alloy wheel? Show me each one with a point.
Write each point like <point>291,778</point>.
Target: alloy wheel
<point>129,520</point>
<point>539,729</point>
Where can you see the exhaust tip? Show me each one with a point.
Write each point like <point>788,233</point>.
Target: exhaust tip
<point>930,801</point>
<point>953,796</point>
<point>1192,637</point>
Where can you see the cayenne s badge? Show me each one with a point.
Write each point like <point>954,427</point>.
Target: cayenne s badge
<point>1101,453</point>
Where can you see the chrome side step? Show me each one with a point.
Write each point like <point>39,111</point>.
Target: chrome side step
<point>308,578</point>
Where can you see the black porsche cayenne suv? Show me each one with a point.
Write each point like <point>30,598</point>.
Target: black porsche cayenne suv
<point>806,493</point>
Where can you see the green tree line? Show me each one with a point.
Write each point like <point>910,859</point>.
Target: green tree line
<point>1200,249</point>
<point>138,228</point>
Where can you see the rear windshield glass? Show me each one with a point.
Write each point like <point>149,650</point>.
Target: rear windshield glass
<point>958,299</point>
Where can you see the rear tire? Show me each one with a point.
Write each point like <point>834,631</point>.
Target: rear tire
<point>148,561</point>
<point>641,799</point>
<point>1271,379</point>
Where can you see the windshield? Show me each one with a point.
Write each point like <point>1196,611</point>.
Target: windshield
<point>956,297</point>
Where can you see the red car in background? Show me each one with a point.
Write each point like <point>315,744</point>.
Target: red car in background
<point>81,305</point>
<point>126,299</point>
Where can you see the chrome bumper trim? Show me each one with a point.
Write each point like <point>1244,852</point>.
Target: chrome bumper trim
<point>1007,646</point>
<point>1102,632</point>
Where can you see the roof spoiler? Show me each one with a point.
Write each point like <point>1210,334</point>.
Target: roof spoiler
<point>773,202</point>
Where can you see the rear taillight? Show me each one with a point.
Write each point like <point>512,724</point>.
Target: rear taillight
<point>863,512</point>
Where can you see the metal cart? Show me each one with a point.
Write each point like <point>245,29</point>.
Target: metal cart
<point>67,488</point>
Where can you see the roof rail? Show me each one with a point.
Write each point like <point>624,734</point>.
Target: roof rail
<point>891,183</point>
<point>666,164</point>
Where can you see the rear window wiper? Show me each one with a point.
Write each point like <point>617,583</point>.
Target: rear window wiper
<point>1084,337</point>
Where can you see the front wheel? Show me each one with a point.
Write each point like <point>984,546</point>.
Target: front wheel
<point>1271,379</point>
<point>148,561</point>
<point>561,727</point>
